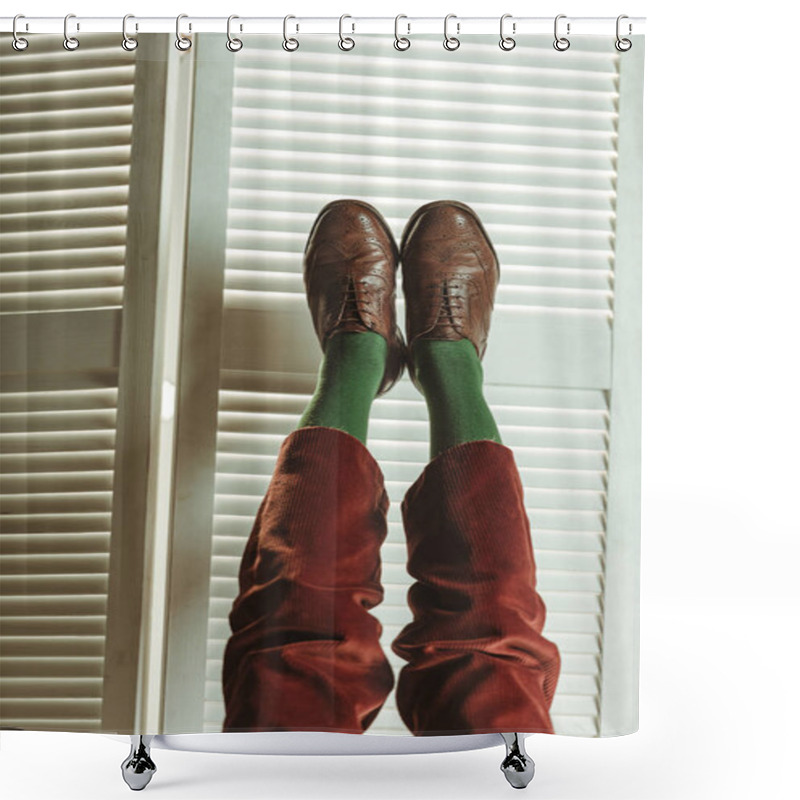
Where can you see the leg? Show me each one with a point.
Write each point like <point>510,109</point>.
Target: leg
<point>517,766</point>
<point>349,377</point>
<point>304,653</point>
<point>477,660</point>
<point>138,768</point>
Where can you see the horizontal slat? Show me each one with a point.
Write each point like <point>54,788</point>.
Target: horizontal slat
<point>62,300</point>
<point>55,564</point>
<point>58,401</point>
<point>22,544</point>
<point>31,688</point>
<point>121,113</point>
<point>57,100</point>
<point>54,626</point>
<point>107,233</point>
<point>61,279</point>
<point>83,158</point>
<point>56,482</point>
<point>55,260</point>
<point>65,724</point>
<point>65,180</point>
<point>66,78</point>
<point>56,709</point>
<point>53,605</point>
<point>86,584</point>
<point>84,198</point>
<point>26,463</point>
<point>57,523</point>
<point>52,646</point>
<point>57,441</point>
<point>51,667</point>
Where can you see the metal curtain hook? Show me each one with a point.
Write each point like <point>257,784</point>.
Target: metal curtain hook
<point>233,44</point>
<point>401,42</point>
<point>182,42</point>
<point>451,42</point>
<point>623,45</point>
<point>70,42</point>
<point>345,42</point>
<point>128,42</point>
<point>289,44</point>
<point>506,42</point>
<point>561,43</point>
<point>18,43</point>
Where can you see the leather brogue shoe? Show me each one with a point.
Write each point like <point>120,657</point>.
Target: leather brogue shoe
<point>450,275</point>
<point>349,269</point>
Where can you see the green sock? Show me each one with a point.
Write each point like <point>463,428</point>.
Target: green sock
<point>349,378</point>
<point>451,377</point>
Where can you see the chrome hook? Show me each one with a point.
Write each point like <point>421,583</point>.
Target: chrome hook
<point>182,42</point>
<point>506,42</point>
<point>451,42</point>
<point>623,45</point>
<point>401,42</point>
<point>18,43</point>
<point>233,44</point>
<point>346,42</point>
<point>70,42</point>
<point>289,44</point>
<point>128,42</point>
<point>561,43</point>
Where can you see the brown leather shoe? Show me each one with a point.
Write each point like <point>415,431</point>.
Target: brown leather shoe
<point>349,269</point>
<point>450,275</point>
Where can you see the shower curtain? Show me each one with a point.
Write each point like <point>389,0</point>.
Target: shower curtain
<point>320,389</point>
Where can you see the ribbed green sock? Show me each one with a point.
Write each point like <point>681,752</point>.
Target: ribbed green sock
<point>349,378</point>
<point>451,377</point>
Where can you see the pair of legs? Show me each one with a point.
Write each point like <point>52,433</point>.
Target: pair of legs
<point>304,653</point>
<point>449,373</point>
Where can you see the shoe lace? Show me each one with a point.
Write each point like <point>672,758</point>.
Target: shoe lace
<point>353,301</point>
<point>451,307</point>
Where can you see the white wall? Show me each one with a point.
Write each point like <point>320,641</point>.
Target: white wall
<point>721,537</point>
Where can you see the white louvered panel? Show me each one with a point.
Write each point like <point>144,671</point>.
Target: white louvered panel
<point>528,139</point>
<point>65,137</point>
<point>56,473</point>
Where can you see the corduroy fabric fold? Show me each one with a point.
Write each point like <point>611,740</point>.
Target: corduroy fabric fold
<point>304,653</point>
<point>477,660</point>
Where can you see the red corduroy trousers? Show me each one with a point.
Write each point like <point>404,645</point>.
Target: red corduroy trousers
<point>304,653</point>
